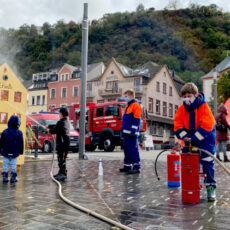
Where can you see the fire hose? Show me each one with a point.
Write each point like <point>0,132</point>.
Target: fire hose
<point>74,205</point>
<point>196,149</point>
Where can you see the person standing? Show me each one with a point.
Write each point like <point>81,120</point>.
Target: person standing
<point>130,131</point>
<point>11,146</point>
<point>194,121</point>
<point>222,132</point>
<point>62,142</point>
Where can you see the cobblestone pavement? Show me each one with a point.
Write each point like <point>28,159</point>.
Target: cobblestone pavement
<point>138,201</point>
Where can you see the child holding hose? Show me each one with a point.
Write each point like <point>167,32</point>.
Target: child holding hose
<point>194,120</point>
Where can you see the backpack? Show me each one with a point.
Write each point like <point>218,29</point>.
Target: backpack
<point>221,127</point>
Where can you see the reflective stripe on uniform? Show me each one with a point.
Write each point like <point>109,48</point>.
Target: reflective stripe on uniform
<point>199,136</point>
<point>182,134</point>
<point>126,131</point>
<point>207,159</point>
<point>134,127</point>
<point>137,133</point>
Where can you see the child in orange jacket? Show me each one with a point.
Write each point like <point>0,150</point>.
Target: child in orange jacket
<point>195,120</point>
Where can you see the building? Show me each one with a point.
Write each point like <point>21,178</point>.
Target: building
<point>38,91</point>
<point>154,85</point>
<point>207,79</point>
<point>66,89</point>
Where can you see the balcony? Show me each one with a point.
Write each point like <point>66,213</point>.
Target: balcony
<point>139,90</point>
<point>110,92</point>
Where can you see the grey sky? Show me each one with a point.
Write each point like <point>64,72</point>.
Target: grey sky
<point>14,13</point>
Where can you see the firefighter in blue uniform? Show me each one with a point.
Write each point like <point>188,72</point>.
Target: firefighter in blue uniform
<point>130,131</point>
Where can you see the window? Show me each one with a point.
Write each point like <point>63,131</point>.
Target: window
<point>63,94</point>
<point>43,99</point>
<point>164,74</point>
<point>176,108</point>
<point>158,86</point>
<point>170,110</point>
<point>137,82</point>
<point>33,101</point>
<point>112,110</point>
<point>65,77</point>
<point>89,87</point>
<point>158,107</point>
<point>164,108</point>
<point>100,101</point>
<point>52,93</point>
<point>108,85</point>
<point>99,112</point>
<point>75,91</point>
<point>164,88</point>
<point>170,91</point>
<point>38,100</point>
<point>150,105</point>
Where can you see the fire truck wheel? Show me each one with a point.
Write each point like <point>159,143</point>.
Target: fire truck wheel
<point>46,147</point>
<point>108,143</point>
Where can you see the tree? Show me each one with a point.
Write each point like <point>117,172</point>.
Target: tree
<point>140,8</point>
<point>223,87</point>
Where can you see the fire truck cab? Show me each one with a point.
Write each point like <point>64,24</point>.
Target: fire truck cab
<point>103,124</point>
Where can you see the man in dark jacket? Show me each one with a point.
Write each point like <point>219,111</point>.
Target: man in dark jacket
<point>222,132</point>
<point>62,142</point>
<point>11,146</point>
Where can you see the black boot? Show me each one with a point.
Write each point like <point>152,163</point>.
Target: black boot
<point>226,158</point>
<point>125,169</point>
<point>60,177</point>
<point>218,157</point>
<point>13,178</point>
<point>5,177</point>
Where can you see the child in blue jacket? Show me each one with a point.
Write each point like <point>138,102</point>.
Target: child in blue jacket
<point>11,146</point>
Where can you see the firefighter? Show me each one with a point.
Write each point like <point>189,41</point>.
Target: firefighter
<point>130,132</point>
<point>195,121</point>
<point>61,130</point>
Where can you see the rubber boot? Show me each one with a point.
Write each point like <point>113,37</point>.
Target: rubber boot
<point>13,178</point>
<point>218,157</point>
<point>5,177</point>
<point>211,193</point>
<point>226,158</point>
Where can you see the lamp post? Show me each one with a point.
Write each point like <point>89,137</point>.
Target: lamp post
<point>215,73</point>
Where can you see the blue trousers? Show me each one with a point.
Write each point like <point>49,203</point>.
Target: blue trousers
<point>208,168</point>
<point>9,162</point>
<point>132,156</point>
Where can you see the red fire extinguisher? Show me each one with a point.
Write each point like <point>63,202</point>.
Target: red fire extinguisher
<point>173,163</point>
<point>190,177</point>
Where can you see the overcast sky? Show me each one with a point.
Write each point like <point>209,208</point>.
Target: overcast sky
<point>14,13</point>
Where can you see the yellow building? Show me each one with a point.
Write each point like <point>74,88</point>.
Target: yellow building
<point>13,100</point>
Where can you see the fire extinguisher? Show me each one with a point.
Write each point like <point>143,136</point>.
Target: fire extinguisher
<point>173,165</point>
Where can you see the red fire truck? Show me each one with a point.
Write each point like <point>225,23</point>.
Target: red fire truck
<point>103,124</point>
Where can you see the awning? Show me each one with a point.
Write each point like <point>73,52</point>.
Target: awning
<point>160,119</point>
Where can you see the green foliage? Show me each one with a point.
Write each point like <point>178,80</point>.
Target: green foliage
<point>223,87</point>
<point>191,41</point>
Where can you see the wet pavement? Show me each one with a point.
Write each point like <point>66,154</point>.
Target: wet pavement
<point>138,201</point>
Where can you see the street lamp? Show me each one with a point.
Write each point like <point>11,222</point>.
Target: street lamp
<point>215,73</point>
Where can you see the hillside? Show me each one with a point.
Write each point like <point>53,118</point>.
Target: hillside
<point>190,41</point>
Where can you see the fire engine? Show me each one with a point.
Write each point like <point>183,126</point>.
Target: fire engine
<point>103,124</point>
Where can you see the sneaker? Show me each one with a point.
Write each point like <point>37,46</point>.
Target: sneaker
<point>134,171</point>
<point>211,192</point>
<point>125,169</point>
